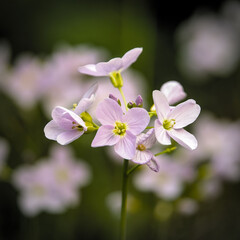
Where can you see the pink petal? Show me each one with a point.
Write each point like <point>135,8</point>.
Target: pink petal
<point>52,130</point>
<point>105,137</point>
<point>90,69</point>
<point>108,112</point>
<point>173,91</point>
<point>148,139</point>
<point>142,157</point>
<point>161,105</point>
<point>137,120</point>
<point>87,99</point>
<point>126,147</point>
<point>184,138</point>
<point>130,57</point>
<point>184,113</point>
<point>65,118</point>
<point>152,164</point>
<point>113,65</point>
<point>161,133</point>
<point>68,136</point>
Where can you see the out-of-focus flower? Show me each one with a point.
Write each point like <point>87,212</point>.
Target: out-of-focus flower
<point>170,122</point>
<point>119,129</point>
<point>187,206</point>
<point>208,45</point>
<point>143,155</point>
<point>68,125</point>
<point>52,184</point>
<point>61,84</point>
<point>168,183</point>
<point>224,151</point>
<point>23,81</point>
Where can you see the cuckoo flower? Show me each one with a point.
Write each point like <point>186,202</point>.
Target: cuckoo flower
<point>112,68</point>
<point>67,125</point>
<point>143,155</point>
<point>119,129</point>
<point>171,121</point>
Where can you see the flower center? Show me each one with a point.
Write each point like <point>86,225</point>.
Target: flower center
<point>116,79</point>
<point>168,124</point>
<point>120,128</point>
<point>77,126</point>
<point>141,147</point>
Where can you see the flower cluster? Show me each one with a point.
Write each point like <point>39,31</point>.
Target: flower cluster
<point>52,184</point>
<point>125,125</point>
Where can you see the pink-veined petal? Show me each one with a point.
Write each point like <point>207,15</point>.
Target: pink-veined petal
<point>64,118</point>
<point>130,57</point>
<point>142,157</point>
<point>108,112</point>
<point>105,137</point>
<point>90,69</point>
<point>68,136</point>
<point>161,105</point>
<point>184,113</point>
<point>113,65</point>
<point>148,139</point>
<point>152,164</point>
<point>184,138</point>
<point>173,91</point>
<point>161,133</point>
<point>126,147</point>
<point>87,99</point>
<point>137,120</point>
<point>52,130</point>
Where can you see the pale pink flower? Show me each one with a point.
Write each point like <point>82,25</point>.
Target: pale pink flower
<point>114,65</point>
<point>52,184</point>
<point>119,129</point>
<point>143,155</point>
<point>171,121</point>
<point>67,125</point>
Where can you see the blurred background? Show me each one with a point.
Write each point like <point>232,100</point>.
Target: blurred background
<point>73,192</point>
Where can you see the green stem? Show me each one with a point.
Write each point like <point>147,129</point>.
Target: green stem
<point>168,150</point>
<point>133,169</point>
<point>124,200</point>
<point>123,97</point>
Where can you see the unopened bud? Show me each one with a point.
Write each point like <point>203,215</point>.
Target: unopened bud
<point>139,101</point>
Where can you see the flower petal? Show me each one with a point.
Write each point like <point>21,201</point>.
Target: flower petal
<point>137,120</point>
<point>108,112</point>
<point>130,57</point>
<point>161,133</point>
<point>161,105</point>
<point>126,147</point>
<point>148,139</point>
<point>52,130</point>
<point>65,118</point>
<point>184,138</point>
<point>113,65</point>
<point>184,113</point>
<point>173,91</point>
<point>152,164</point>
<point>90,69</point>
<point>142,157</point>
<point>87,99</point>
<point>68,136</point>
<point>105,137</point>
